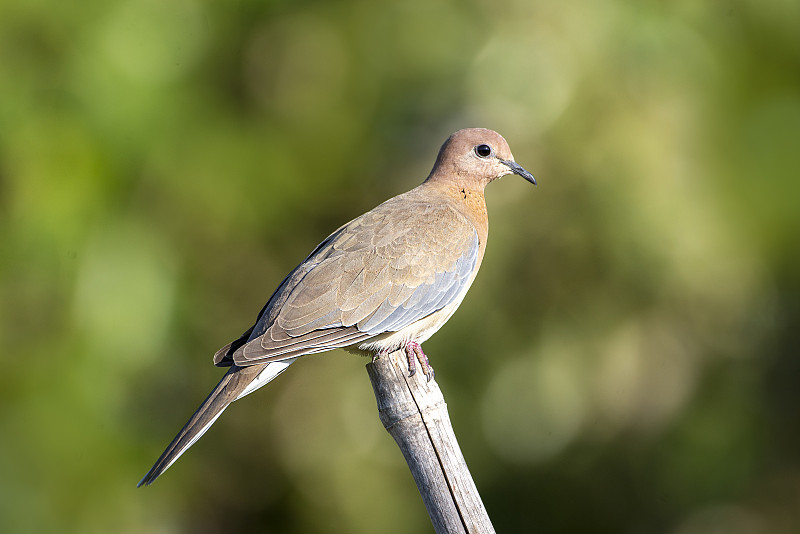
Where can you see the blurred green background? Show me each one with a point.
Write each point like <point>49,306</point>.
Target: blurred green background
<point>626,362</point>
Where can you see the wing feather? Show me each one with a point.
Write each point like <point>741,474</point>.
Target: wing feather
<point>379,273</point>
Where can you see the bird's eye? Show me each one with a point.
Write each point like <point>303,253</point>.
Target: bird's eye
<point>483,151</point>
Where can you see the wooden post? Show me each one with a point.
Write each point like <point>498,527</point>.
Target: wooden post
<point>415,414</point>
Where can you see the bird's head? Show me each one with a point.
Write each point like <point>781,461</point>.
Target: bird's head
<point>476,156</point>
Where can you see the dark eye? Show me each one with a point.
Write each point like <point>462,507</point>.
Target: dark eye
<point>483,151</point>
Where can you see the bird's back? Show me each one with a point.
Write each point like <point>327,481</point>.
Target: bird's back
<point>406,259</point>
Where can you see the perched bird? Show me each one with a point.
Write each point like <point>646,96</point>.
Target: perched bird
<point>385,281</point>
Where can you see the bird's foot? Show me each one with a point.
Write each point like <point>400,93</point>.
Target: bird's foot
<point>414,352</point>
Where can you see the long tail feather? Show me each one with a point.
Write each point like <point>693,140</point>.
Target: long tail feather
<point>236,383</point>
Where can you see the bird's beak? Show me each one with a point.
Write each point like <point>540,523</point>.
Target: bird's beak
<point>517,169</point>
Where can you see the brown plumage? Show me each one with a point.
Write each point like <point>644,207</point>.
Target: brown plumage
<point>386,280</point>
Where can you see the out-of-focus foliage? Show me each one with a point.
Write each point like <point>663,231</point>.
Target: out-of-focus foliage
<point>626,361</point>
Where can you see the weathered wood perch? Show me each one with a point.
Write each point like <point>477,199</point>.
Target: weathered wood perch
<point>415,414</point>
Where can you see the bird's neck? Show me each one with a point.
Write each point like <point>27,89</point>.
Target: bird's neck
<point>467,200</point>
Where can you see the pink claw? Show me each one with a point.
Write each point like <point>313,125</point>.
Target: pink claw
<point>414,352</point>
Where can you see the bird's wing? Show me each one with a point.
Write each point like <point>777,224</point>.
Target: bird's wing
<point>224,356</point>
<point>383,271</point>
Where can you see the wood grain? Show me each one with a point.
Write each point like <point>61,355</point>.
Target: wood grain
<point>414,413</point>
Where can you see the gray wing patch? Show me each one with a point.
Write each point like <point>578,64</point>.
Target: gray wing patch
<point>426,298</point>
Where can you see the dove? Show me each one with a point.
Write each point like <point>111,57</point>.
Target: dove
<point>385,281</point>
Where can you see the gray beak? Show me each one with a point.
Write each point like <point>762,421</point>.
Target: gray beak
<point>517,169</point>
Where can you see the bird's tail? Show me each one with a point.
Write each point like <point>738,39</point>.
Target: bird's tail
<point>236,383</point>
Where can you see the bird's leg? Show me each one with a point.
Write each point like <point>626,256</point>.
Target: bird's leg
<point>412,359</point>
<point>414,352</point>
